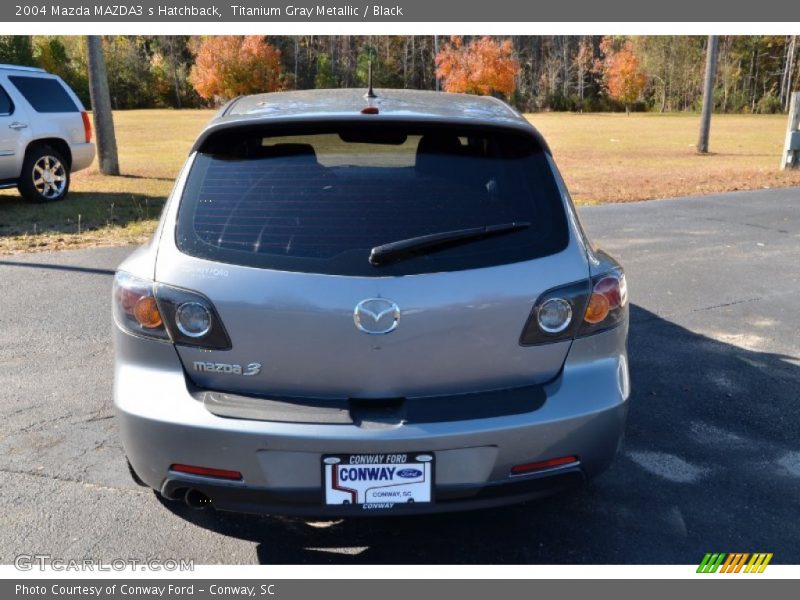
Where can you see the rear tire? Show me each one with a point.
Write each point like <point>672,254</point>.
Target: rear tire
<point>45,175</point>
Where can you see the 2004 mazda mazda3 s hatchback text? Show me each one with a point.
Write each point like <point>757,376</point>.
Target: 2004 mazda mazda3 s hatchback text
<point>381,304</point>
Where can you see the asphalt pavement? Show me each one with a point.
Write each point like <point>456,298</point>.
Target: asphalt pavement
<point>711,459</point>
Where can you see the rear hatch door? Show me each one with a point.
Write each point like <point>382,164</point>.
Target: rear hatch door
<point>276,230</point>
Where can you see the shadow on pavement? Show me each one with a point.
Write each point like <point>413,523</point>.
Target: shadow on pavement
<point>56,267</point>
<point>711,462</point>
<point>78,212</point>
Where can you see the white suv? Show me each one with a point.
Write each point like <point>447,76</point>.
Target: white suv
<point>45,133</point>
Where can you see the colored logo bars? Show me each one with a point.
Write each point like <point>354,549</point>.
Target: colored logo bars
<point>734,563</point>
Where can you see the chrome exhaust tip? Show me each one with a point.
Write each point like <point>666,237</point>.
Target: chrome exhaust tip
<point>196,499</point>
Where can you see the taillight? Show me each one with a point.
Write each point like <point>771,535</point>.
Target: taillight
<point>191,318</point>
<point>135,307</point>
<point>167,313</point>
<point>607,304</point>
<point>577,309</point>
<point>556,314</point>
<point>87,126</point>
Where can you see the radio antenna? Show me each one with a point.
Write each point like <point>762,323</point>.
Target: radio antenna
<point>370,92</point>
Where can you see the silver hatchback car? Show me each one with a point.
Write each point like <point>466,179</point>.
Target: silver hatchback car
<point>369,305</point>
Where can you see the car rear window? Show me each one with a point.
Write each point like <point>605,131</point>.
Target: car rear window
<point>6,105</point>
<point>44,94</point>
<point>319,199</point>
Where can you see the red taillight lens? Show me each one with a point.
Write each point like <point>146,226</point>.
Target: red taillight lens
<point>87,126</point>
<point>163,312</point>
<point>607,304</point>
<point>135,307</point>
<point>543,464</point>
<point>207,472</point>
<point>610,288</point>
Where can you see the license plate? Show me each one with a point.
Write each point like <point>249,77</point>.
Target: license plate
<point>378,481</point>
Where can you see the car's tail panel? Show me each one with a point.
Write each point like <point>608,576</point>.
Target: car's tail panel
<point>456,332</point>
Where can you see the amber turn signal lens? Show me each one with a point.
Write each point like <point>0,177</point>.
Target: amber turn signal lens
<point>145,311</point>
<point>610,288</point>
<point>597,309</point>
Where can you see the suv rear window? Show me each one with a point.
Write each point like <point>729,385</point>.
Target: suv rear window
<point>44,94</point>
<point>319,199</point>
<point>6,105</point>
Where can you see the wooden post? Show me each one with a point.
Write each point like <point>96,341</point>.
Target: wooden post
<point>791,149</point>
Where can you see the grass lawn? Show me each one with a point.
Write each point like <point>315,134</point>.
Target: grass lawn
<point>614,158</point>
<point>105,211</point>
<point>603,157</point>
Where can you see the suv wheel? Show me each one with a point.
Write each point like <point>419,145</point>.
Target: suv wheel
<point>45,176</point>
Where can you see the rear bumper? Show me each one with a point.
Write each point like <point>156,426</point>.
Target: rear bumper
<point>162,423</point>
<point>82,156</point>
<point>308,502</point>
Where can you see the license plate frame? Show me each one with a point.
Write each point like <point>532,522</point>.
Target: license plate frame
<point>379,481</point>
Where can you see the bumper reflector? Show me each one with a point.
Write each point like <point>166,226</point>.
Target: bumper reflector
<point>207,472</point>
<point>543,464</point>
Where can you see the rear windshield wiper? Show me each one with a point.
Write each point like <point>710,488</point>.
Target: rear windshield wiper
<point>425,244</point>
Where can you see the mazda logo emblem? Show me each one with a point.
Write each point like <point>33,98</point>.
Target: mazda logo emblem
<point>376,316</point>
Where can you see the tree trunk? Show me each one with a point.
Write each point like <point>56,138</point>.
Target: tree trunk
<point>414,61</point>
<point>101,107</point>
<point>173,64</point>
<point>791,155</point>
<point>435,54</point>
<point>708,93</point>
<point>296,57</point>
<point>754,86</point>
<point>790,73</point>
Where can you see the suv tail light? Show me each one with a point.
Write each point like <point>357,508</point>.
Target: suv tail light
<point>158,311</point>
<point>87,126</point>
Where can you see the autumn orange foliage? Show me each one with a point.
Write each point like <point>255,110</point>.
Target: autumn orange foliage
<point>622,76</point>
<point>483,66</point>
<point>227,66</point>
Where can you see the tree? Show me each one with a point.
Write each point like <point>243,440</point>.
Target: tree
<point>130,78</point>
<point>622,76</point>
<point>227,66</point>
<point>708,94</point>
<point>324,78</point>
<point>583,60</point>
<point>483,66</point>
<point>755,73</point>
<point>17,50</point>
<point>788,72</point>
<point>62,56</point>
<point>169,67</point>
<point>101,107</point>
